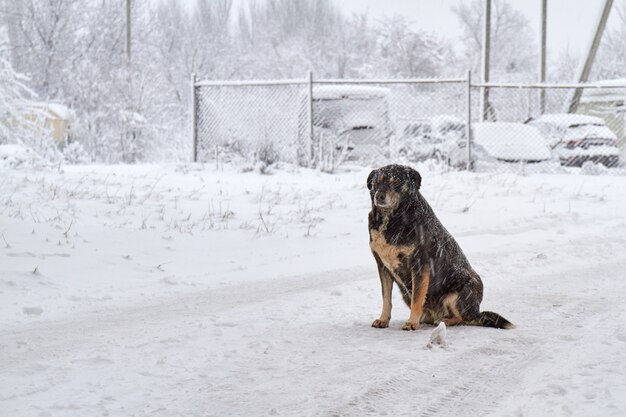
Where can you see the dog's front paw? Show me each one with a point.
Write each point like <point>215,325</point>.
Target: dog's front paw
<point>380,324</point>
<point>409,325</point>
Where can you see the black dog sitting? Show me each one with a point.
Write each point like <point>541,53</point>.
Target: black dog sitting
<point>414,250</point>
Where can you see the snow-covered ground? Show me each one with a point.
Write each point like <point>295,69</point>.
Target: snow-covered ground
<point>188,290</point>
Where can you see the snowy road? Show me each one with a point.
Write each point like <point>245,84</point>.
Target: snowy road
<point>306,348</point>
<point>294,338</point>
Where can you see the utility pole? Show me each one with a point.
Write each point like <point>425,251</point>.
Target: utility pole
<point>128,33</point>
<point>12,22</point>
<point>486,52</point>
<point>128,143</point>
<point>584,71</point>
<point>542,56</point>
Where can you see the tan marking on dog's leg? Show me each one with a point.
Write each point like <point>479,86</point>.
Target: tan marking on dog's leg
<point>386,282</point>
<point>453,321</point>
<point>450,304</point>
<point>418,297</point>
<point>427,317</point>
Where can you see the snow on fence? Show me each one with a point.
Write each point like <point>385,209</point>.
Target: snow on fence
<point>324,123</point>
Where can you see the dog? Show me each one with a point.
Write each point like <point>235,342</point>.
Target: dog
<point>413,250</point>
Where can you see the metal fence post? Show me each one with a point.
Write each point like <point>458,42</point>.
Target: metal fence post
<point>194,120</point>
<point>468,122</point>
<point>309,147</point>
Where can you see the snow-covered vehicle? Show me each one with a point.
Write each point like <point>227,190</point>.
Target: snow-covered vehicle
<point>501,141</point>
<point>346,118</point>
<point>430,139</point>
<point>577,138</point>
<point>511,142</point>
<point>417,142</point>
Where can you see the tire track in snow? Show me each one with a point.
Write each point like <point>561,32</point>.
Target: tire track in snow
<point>49,338</point>
<point>478,381</point>
<point>478,391</point>
<point>464,389</point>
<point>404,387</point>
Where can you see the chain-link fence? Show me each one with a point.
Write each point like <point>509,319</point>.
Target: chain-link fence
<point>326,123</point>
<point>250,120</point>
<point>550,128</point>
<point>378,122</point>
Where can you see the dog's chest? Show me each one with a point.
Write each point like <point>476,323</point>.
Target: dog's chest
<point>390,255</point>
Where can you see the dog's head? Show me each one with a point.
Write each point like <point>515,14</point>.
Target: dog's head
<point>392,184</point>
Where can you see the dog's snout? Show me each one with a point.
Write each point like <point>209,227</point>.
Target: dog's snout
<point>379,197</point>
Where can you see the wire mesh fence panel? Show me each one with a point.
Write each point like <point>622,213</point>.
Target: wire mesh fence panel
<point>254,122</point>
<point>326,123</point>
<point>521,128</point>
<point>430,122</point>
<point>377,123</point>
<point>333,123</point>
<point>350,123</point>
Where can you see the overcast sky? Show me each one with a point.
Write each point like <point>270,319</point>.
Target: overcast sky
<point>570,22</point>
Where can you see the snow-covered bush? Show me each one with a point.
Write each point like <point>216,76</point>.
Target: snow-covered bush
<point>266,152</point>
<point>592,168</point>
<point>331,151</point>
<point>21,121</point>
<point>74,153</point>
<point>14,155</point>
<point>14,122</point>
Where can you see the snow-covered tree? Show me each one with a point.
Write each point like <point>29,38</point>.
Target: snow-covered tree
<point>407,53</point>
<point>513,56</point>
<point>611,59</point>
<point>22,122</point>
<point>285,38</point>
<point>73,52</point>
<point>42,35</point>
<point>14,96</point>
<point>563,68</point>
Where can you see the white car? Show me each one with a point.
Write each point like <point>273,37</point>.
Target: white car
<point>511,142</point>
<point>577,138</point>
<point>502,141</point>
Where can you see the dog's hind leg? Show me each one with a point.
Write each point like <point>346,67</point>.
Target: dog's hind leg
<point>386,283</point>
<point>462,304</point>
<point>452,315</point>
<point>420,282</point>
<point>463,307</point>
<point>469,306</point>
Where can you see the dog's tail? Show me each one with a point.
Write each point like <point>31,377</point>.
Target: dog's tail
<point>491,319</point>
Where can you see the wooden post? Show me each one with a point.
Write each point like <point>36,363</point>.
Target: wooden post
<point>468,120</point>
<point>542,56</point>
<point>128,34</point>
<point>128,148</point>
<point>309,147</point>
<point>583,76</point>
<point>484,104</point>
<point>194,120</point>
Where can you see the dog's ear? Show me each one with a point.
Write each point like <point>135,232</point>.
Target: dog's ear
<point>415,180</point>
<point>370,179</point>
